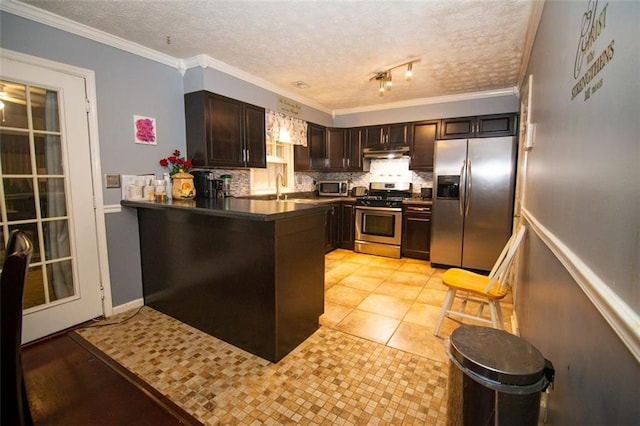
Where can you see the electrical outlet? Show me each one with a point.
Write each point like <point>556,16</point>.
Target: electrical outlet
<point>111,181</point>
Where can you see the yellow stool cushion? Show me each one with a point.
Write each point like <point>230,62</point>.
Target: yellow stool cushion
<point>461,279</point>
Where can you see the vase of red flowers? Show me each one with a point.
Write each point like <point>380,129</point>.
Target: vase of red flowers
<point>175,163</point>
<point>182,186</point>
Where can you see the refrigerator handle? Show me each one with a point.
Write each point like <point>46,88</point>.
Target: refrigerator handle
<point>467,191</point>
<point>462,187</point>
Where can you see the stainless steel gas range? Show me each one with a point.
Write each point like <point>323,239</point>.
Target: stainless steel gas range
<point>379,219</point>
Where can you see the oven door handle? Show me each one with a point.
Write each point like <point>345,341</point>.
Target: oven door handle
<point>380,209</point>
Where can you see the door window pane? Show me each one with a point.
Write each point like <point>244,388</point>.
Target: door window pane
<point>19,197</point>
<point>14,153</point>
<point>44,109</point>
<point>60,277</point>
<point>14,112</point>
<point>34,294</point>
<point>31,231</point>
<point>56,239</point>
<point>48,154</point>
<point>52,197</point>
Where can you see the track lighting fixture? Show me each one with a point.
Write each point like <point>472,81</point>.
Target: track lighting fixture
<point>386,79</point>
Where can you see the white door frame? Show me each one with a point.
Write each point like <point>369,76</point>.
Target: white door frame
<point>96,170</point>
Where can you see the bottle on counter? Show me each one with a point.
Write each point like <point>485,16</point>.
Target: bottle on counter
<point>167,184</point>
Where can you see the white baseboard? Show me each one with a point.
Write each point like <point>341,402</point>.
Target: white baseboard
<point>134,304</point>
<point>112,208</point>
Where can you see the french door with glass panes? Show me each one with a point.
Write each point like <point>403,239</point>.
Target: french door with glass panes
<point>46,190</point>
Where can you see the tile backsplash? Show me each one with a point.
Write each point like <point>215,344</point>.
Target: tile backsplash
<point>380,170</point>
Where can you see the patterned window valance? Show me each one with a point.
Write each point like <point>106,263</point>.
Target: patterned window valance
<point>282,128</point>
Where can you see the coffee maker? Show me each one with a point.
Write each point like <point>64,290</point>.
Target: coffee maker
<point>207,186</point>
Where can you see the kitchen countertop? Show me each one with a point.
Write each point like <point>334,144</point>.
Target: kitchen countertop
<point>239,208</point>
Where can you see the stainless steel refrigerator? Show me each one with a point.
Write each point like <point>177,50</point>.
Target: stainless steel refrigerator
<point>474,182</point>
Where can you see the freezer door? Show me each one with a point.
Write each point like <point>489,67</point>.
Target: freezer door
<point>488,219</point>
<point>446,231</point>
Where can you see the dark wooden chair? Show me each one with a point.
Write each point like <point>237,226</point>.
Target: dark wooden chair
<point>15,405</point>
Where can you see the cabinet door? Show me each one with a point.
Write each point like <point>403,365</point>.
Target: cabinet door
<point>496,125</point>
<point>336,150</point>
<point>422,145</point>
<point>254,137</point>
<point>301,158</point>
<point>396,134</point>
<point>355,150</point>
<point>224,143</point>
<point>333,227</point>
<point>198,126</point>
<point>316,142</point>
<point>373,136</point>
<point>347,225</point>
<point>457,128</point>
<point>416,232</point>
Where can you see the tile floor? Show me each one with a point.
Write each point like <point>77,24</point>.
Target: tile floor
<point>395,302</point>
<point>373,361</point>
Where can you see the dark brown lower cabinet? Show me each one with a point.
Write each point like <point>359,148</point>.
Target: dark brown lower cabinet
<point>257,284</point>
<point>416,231</point>
<point>333,227</point>
<point>347,225</point>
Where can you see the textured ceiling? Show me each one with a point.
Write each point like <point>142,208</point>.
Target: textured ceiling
<point>333,46</point>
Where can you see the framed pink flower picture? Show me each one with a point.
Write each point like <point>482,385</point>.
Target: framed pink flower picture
<point>145,130</point>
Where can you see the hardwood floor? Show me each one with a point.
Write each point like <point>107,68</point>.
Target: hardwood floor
<point>69,384</point>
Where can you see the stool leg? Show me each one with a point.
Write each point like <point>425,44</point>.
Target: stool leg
<point>446,306</point>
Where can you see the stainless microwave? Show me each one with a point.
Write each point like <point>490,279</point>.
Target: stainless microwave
<point>333,188</point>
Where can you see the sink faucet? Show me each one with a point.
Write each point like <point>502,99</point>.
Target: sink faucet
<point>279,181</point>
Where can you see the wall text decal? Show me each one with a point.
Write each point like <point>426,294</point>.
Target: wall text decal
<point>289,107</point>
<point>593,24</point>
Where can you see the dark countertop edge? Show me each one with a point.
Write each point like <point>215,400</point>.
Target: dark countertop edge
<point>299,210</point>
<point>418,201</point>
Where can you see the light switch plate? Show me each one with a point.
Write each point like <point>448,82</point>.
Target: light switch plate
<point>111,181</point>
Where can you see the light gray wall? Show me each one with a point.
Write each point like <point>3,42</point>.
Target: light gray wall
<point>126,84</point>
<point>583,185</point>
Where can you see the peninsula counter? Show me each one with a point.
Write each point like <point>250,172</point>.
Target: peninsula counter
<point>249,272</point>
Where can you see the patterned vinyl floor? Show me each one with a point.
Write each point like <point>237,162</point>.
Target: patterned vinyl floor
<point>374,359</point>
<point>332,378</point>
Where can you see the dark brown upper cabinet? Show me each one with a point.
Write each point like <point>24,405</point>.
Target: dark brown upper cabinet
<point>484,126</point>
<point>330,149</point>
<point>387,134</point>
<point>355,138</point>
<point>224,132</point>
<point>424,134</point>
<point>337,150</point>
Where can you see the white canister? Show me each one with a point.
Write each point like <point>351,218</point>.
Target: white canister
<point>149,192</point>
<point>135,192</point>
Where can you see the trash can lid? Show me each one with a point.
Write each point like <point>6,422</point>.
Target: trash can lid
<point>497,355</point>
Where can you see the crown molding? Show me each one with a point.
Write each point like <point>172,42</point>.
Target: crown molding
<point>52,20</point>
<point>509,91</point>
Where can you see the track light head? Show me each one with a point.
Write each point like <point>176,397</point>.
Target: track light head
<point>409,73</point>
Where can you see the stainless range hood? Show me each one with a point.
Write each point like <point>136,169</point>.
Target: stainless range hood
<point>386,151</point>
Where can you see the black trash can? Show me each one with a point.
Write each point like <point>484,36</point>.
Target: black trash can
<point>495,378</point>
